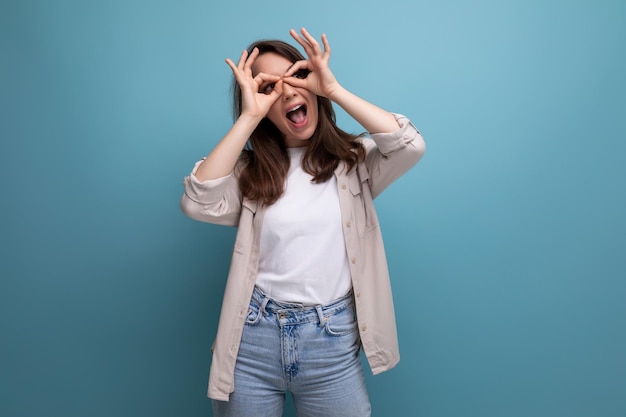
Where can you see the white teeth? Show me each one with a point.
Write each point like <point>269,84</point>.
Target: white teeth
<point>295,108</point>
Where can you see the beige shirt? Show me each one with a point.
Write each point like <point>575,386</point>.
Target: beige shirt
<point>219,201</point>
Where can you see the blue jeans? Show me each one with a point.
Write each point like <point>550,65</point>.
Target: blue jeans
<point>313,352</point>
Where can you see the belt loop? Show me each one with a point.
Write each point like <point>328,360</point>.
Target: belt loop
<point>263,305</point>
<point>320,314</point>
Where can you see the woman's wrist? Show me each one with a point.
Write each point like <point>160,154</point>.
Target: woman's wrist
<point>337,94</point>
<point>249,119</point>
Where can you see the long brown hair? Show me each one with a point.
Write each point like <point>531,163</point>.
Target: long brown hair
<point>265,155</point>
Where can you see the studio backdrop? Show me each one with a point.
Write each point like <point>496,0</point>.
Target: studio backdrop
<point>505,243</point>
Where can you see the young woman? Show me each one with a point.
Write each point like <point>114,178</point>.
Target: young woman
<point>308,284</point>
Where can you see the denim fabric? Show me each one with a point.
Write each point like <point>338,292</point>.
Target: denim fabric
<point>313,352</point>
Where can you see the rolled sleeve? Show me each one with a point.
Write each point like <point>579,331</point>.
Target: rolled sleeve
<point>390,155</point>
<point>387,143</point>
<point>213,201</point>
<point>208,191</point>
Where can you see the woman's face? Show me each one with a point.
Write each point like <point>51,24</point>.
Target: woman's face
<point>294,113</point>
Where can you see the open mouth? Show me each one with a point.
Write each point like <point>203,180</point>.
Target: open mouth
<point>297,115</point>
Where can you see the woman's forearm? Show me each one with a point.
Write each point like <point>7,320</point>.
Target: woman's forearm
<point>371,117</point>
<point>222,159</point>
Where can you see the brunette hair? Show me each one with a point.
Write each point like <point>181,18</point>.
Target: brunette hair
<point>265,157</point>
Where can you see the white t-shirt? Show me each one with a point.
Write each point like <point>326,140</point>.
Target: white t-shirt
<point>302,254</point>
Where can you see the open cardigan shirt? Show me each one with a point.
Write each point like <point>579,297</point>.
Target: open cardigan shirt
<point>219,201</point>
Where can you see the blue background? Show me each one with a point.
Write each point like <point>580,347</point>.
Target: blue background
<point>506,243</point>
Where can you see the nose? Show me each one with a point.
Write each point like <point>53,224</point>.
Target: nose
<point>288,91</point>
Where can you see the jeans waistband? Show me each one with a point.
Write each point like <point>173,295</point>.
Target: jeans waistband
<point>299,311</point>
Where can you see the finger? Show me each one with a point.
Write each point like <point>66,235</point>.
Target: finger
<point>302,42</point>
<point>314,44</point>
<point>251,59</point>
<point>278,88</point>
<point>232,65</point>
<point>263,81</point>
<point>242,60</point>
<point>296,82</point>
<point>262,77</point>
<point>297,66</point>
<point>326,45</point>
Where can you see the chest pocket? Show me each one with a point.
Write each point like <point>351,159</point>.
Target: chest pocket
<point>245,231</point>
<point>363,211</point>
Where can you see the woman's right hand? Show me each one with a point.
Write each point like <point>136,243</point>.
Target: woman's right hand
<point>254,102</point>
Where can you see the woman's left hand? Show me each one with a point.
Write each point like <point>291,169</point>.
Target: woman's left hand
<point>320,79</point>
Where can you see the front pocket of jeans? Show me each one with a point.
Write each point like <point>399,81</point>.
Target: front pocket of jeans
<point>341,324</point>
